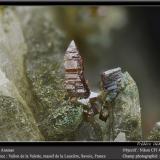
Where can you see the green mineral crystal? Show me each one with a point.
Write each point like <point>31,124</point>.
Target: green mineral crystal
<point>17,120</point>
<point>125,112</point>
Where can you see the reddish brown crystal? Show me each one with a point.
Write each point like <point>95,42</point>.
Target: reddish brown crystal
<point>75,82</point>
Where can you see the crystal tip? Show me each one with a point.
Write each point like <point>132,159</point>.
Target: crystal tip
<point>71,46</point>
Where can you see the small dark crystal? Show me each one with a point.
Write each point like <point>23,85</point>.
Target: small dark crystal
<point>104,114</point>
<point>111,84</point>
<point>111,80</point>
<point>93,106</point>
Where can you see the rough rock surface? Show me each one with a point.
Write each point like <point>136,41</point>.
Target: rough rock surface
<point>16,123</point>
<point>88,131</point>
<point>17,120</point>
<point>57,117</point>
<point>126,112</point>
<point>155,133</point>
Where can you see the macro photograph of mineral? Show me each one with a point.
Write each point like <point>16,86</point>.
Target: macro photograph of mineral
<point>79,73</point>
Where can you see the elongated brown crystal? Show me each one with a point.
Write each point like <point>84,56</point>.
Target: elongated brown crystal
<point>75,82</point>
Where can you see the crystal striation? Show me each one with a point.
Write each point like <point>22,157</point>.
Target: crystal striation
<point>75,82</point>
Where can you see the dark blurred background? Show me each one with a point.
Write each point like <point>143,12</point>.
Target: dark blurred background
<point>112,36</point>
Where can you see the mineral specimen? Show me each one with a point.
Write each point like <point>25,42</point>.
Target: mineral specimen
<point>111,80</point>
<point>57,118</point>
<point>111,83</point>
<point>17,121</point>
<point>75,82</point>
<point>92,105</point>
<point>34,104</point>
<point>124,109</point>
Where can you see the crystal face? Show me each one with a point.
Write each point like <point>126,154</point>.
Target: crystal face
<point>111,80</point>
<point>75,82</point>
